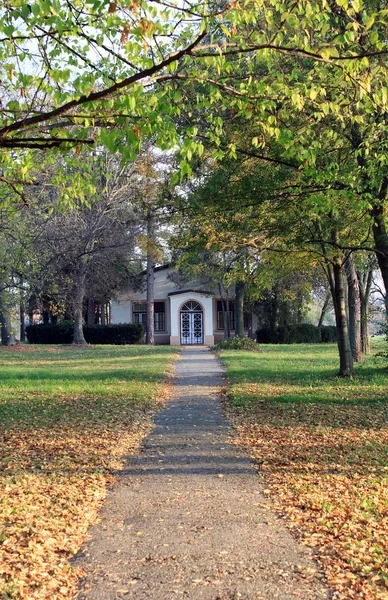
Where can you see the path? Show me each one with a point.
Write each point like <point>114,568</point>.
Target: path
<point>187,518</point>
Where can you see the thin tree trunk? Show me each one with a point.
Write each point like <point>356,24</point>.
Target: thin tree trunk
<point>324,309</point>
<point>380,236</point>
<point>103,313</point>
<point>90,310</point>
<point>225,310</point>
<point>239,309</point>
<point>7,335</point>
<point>354,304</point>
<point>150,329</point>
<point>365,285</point>
<point>79,295</point>
<point>22,321</point>
<point>339,301</point>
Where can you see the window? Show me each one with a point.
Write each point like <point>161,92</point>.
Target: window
<point>140,314</point>
<point>159,316</point>
<point>220,316</point>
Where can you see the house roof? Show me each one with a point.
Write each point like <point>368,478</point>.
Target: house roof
<point>193,291</point>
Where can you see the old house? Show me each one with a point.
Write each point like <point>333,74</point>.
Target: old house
<point>182,316</point>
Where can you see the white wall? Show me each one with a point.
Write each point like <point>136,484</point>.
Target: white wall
<point>179,299</point>
<point>120,311</point>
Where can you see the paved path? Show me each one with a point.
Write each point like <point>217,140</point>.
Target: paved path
<point>187,518</point>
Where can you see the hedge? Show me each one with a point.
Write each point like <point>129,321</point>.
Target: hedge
<point>297,334</point>
<point>122,333</point>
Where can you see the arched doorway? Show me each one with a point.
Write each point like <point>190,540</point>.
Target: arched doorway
<point>191,323</point>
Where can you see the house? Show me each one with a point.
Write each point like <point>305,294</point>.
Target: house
<point>186,316</point>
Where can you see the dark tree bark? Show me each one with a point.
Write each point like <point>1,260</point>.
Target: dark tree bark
<point>150,329</point>
<point>324,309</point>
<point>90,310</point>
<point>239,309</point>
<point>225,312</point>
<point>380,236</point>
<point>22,321</point>
<point>103,313</point>
<point>377,211</point>
<point>336,280</point>
<point>7,335</point>
<point>354,306</point>
<point>79,294</point>
<point>365,285</point>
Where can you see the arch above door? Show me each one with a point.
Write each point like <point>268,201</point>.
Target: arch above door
<point>191,323</point>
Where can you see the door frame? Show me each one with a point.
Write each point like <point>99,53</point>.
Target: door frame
<point>202,313</point>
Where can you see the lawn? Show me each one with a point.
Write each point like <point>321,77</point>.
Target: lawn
<point>322,446</point>
<point>67,416</point>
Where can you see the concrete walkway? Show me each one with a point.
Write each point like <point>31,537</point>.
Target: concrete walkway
<point>187,518</point>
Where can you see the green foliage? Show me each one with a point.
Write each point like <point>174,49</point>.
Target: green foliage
<point>118,334</point>
<point>115,74</point>
<point>328,333</point>
<point>305,333</point>
<point>237,343</point>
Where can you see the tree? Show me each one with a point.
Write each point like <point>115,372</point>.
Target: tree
<point>88,246</point>
<point>77,73</point>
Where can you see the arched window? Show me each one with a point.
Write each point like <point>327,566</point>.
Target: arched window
<point>191,306</point>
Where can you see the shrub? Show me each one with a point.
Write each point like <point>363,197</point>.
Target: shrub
<point>305,333</point>
<point>329,333</point>
<point>237,343</point>
<point>123,333</point>
<point>50,334</point>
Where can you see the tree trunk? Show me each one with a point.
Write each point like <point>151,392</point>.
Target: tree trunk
<point>225,310</point>
<point>103,313</point>
<point>339,301</point>
<point>381,242</point>
<point>150,329</point>
<point>90,310</point>
<point>22,321</point>
<point>354,304</point>
<point>324,309</point>
<point>79,294</point>
<point>365,285</point>
<point>7,335</point>
<point>239,309</point>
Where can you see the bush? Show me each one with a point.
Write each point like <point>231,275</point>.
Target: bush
<point>305,333</point>
<point>329,333</point>
<point>122,333</point>
<point>237,343</point>
<point>50,334</point>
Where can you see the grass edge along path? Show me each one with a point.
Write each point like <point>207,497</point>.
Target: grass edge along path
<point>68,415</point>
<point>322,445</point>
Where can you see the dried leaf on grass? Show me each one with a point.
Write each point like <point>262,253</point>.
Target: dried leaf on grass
<point>331,482</point>
<point>54,472</point>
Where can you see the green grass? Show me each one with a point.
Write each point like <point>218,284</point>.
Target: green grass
<point>42,383</point>
<point>304,373</point>
<point>322,445</point>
